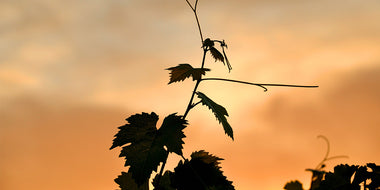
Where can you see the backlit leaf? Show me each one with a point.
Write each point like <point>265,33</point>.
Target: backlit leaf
<point>126,182</point>
<point>183,71</point>
<point>140,125</point>
<point>202,172</point>
<point>340,179</point>
<point>206,158</point>
<point>216,54</point>
<point>171,134</point>
<point>374,176</point>
<point>293,185</point>
<point>219,111</point>
<point>350,177</point>
<point>142,153</point>
<point>164,182</point>
<point>143,145</point>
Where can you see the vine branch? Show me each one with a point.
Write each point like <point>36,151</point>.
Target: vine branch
<point>196,17</point>
<point>190,105</point>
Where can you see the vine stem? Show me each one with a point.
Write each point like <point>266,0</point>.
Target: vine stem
<point>196,17</point>
<point>190,105</point>
<point>262,85</point>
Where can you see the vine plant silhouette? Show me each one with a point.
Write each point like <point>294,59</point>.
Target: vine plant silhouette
<point>344,176</point>
<point>146,147</point>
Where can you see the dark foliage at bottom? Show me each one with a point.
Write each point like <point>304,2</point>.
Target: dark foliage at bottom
<point>202,172</point>
<point>344,177</point>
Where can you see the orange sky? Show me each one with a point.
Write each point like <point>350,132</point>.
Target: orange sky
<point>72,71</point>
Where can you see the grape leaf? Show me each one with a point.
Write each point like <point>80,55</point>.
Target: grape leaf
<point>126,182</point>
<point>293,185</point>
<point>201,172</point>
<point>171,134</point>
<point>219,111</point>
<point>206,158</point>
<point>374,176</point>
<point>216,54</point>
<point>139,126</point>
<point>144,144</point>
<point>346,176</point>
<point>340,179</point>
<point>142,153</point>
<point>183,71</point>
<point>360,176</point>
<point>316,178</point>
<point>164,183</point>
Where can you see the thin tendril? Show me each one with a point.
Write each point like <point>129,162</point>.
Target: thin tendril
<point>262,85</point>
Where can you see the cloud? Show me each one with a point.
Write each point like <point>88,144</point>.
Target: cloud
<point>344,109</point>
<point>349,97</point>
<point>115,52</point>
<point>57,144</point>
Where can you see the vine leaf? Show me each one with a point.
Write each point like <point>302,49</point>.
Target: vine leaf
<point>351,176</point>
<point>126,182</point>
<point>183,71</point>
<point>144,144</point>
<point>340,179</point>
<point>142,153</point>
<point>206,158</point>
<point>374,176</point>
<point>201,172</point>
<point>316,177</point>
<point>171,134</point>
<point>293,185</point>
<point>216,54</point>
<point>164,183</point>
<point>219,111</point>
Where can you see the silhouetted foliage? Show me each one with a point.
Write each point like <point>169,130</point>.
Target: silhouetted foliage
<point>164,182</point>
<point>202,172</point>
<point>126,182</point>
<point>146,147</point>
<point>219,111</point>
<point>316,178</point>
<point>293,185</point>
<point>344,177</point>
<point>208,44</point>
<point>183,71</point>
<point>349,177</point>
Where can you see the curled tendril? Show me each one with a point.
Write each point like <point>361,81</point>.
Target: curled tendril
<point>321,165</point>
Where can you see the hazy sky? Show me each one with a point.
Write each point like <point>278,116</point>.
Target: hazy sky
<point>72,71</point>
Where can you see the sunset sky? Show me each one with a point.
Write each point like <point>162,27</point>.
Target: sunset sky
<point>71,71</point>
